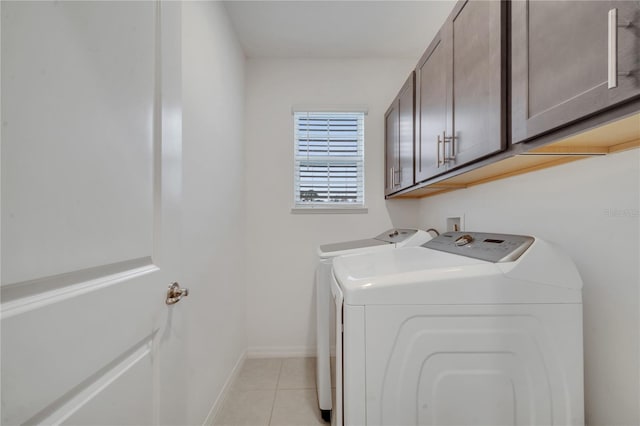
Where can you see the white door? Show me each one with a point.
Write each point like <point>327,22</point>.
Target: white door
<point>91,185</point>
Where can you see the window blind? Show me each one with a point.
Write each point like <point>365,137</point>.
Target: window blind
<point>329,159</point>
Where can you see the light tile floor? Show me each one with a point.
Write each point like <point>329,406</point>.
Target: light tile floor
<point>272,392</point>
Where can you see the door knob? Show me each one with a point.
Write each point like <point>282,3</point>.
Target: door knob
<point>175,293</point>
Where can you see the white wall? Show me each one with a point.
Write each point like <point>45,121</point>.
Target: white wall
<point>589,208</point>
<point>213,246</point>
<point>280,245</point>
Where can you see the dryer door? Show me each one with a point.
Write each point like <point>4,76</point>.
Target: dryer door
<point>512,364</point>
<point>337,414</point>
<point>324,323</point>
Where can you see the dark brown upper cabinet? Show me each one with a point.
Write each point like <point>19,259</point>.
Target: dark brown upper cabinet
<point>461,96</point>
<point>571,59</point>
<point>399,134</point>
<point>431,109</point>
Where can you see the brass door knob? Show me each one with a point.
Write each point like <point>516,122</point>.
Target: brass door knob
<point>175,293</point>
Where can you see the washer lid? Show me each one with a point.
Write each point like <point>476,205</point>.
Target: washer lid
<point>349,247</point>
<point>389,239</point>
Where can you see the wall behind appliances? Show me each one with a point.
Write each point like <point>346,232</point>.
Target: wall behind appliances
<point>281,246</point>
<point>213,67</point>
<point>590,209</point>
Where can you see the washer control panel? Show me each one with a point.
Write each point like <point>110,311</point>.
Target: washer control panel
<point>463,240</point>
<point>484,246</point>
<point>396,235</point>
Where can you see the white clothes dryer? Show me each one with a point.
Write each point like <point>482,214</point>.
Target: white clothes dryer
<point>469,329</point>
<point>391,239</point>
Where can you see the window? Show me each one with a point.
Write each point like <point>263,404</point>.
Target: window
<point>329,159</point>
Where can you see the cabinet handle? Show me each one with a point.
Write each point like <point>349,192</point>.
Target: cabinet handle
<point>391,177</point>
<point>392,174</point>
<point>419,145</point>
<point>443,142</point>
<point>452,140</point>
<point>438,163</point>
<point>613,49</point>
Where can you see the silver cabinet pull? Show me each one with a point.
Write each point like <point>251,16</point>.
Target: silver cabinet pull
<point>392,175</point>
<point>612,53</point>
<point>443,142</point>
<point>175,293</point>
<point>613,49</point>
<point>419,146</point>
<point>438,163</point>
<point>452,140</point>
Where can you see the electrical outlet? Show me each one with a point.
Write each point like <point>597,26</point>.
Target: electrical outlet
<point>455,223</point>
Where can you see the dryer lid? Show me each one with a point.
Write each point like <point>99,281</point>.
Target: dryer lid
<point>419,275</point>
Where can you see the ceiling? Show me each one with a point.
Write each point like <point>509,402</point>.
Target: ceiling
<point>337,29</point>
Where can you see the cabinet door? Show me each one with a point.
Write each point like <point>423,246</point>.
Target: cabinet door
<point>391,125</point>
<point>561,56</point>
<point>431,114</point>
<point>406,106</point>
<point>477,45</point>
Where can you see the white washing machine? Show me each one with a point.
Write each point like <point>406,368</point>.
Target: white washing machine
<point>469,329</point>
<point>391,239</point>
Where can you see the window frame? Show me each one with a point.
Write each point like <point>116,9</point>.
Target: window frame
<point>300,207</point>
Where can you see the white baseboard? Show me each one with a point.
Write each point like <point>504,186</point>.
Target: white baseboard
<point>217,405</point>
<point>280,351</point>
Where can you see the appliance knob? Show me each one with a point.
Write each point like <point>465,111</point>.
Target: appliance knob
<point>464,240</point>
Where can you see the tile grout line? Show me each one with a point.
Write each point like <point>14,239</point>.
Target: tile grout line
<point>275,394</point>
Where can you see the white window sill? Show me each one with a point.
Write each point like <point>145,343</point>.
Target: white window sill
<point>329,210</point>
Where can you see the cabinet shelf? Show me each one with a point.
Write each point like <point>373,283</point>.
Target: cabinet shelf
<point>614,137</point>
